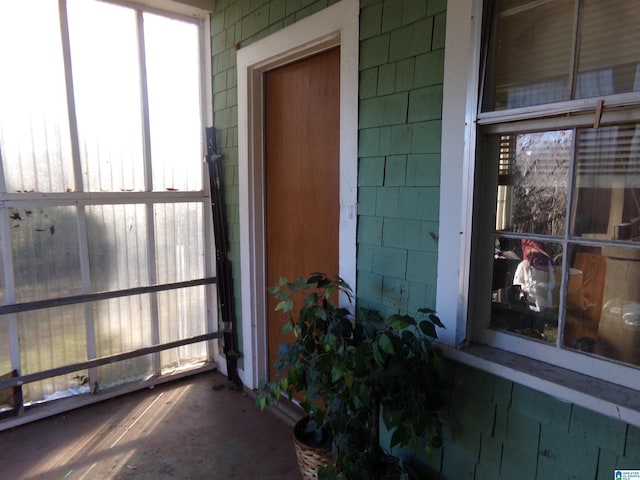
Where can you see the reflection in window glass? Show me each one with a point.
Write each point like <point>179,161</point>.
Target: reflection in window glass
<point>607,189</point>
<point>525,287</point>
<point>530,58</point>
<point>44,244</point>
<point>532,182</point>
<point>174,103</point>
<point>607,63</point>
<point>603,304</point>
<point>35,145</point>
<point>601,298</point>
<point>107,95</point>
<point>544,30</point>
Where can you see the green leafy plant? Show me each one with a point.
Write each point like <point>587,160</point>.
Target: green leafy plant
<point>348,372</point>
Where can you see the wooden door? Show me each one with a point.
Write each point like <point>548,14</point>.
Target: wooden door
<point>302,203</point>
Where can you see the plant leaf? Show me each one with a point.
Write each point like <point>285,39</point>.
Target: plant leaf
<point>398,322</point>
<point>337,372</point>
<point>426,310</point>
<point>376,355</point>
<point>436,320</point>
<point>428,329</point>
<point>287,328</point>
<point>283,349</point>
<point>348,378</point>
<point>400,437</point>
<point>285,306</point>
<point>385,344</point>
<point>281,295</point>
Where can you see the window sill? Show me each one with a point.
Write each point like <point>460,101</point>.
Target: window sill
<point>618,402</point>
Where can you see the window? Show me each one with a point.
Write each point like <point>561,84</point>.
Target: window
<point>103,208</point>
<point>556,244</point>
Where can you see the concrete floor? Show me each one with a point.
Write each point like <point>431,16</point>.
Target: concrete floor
<point>194,428</point>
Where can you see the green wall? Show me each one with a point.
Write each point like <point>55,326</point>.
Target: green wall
<point>400,111</point>
<point>494,428</point>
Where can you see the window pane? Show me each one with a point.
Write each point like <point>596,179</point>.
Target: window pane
<point>44,244</point>
<point>107,95</point>
<point>123,325</point>
<point>530,56</point>
<point>5,360</point>
<point>607,187</point>
<point>125,371</point>
<point>609,63</point>
<point>34,129</point>
<point>182,315</point>
<point>532,182</point>
<point>603,305</point>
<point>118,250</point>
<point>54,388</point>
<point>52,338</point>
<point>3,212</point>
<point>174,103</point>
<point>525,287</point>
<point>179,242</point>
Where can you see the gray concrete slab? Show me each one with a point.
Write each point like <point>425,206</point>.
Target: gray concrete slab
<point>186,429</point>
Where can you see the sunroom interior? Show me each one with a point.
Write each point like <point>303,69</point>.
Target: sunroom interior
<point>108,251</point>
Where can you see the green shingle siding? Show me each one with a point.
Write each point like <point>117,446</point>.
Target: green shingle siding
<point>395,171</point>
<point>404,74</point>
<point>426,137</point>
<point>370,21</point>
<point>423,170</point>
<point>391,15</point>
<point>371,171</point>
<point>411,40</point>
<point>429,69</point>
<point>374,51</point>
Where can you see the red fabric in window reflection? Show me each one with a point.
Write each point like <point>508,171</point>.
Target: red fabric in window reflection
<point>534,253</point>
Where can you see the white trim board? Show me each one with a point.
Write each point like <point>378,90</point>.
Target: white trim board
<point>337,25</point>
<point>456,174</point>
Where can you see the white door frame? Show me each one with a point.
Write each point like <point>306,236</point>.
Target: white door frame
<point>337,25</point>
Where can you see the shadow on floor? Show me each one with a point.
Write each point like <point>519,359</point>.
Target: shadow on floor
<point>186,429</point>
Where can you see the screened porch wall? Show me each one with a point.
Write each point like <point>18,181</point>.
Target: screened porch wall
<point>101,191</point>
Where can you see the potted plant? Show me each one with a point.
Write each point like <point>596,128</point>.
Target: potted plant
<point>349,372</point>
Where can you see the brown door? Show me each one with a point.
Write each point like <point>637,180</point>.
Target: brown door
<point>302,138</point>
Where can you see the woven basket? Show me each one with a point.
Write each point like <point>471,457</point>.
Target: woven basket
<point>310,459</point>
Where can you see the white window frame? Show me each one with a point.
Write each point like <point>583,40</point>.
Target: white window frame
<point>564,374</point>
